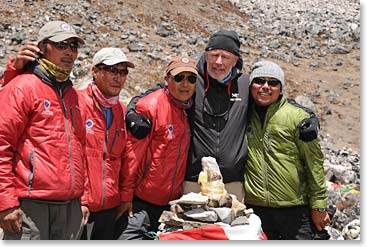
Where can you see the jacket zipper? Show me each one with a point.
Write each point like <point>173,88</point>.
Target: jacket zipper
<point>69,140</point>
<point>104,168</point>
<point>72,118</point>
<point>178,158</point>
<point>114,139</point>
<point>31,172</point>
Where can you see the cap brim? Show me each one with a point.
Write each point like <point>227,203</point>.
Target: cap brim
<point>183,69</point>
<point>62,37</point>
<point>110,62</point>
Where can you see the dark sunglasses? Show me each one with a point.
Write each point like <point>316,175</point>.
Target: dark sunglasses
<point>271,82</point>
<point>215,119</point>
<point>180,77</point>
<point>114,70</point>
<point>63,45</point>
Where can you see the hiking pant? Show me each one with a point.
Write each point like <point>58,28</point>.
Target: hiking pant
<point>45,220</point>
<point>102,225</point>
<point>285,223</point>
<point>235,188</point>
<point>144,223</point>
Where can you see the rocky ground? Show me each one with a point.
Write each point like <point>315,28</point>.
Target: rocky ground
<point>317,43</point>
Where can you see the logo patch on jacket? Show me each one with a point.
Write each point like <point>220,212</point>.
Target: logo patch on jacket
<point>235,97</point>
<point>170,131</point>
<point>47,106</point>
<point>89,126</point>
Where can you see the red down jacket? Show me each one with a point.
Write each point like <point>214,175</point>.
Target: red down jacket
<point>103,152</point>
<point>41,142</point>
<point>155,166</point>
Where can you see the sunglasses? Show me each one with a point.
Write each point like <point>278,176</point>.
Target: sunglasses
<point>180,77</point>
<point>63,45</point>
<point>271,82</point>
<point>114,70</point>
<point>215,119</point>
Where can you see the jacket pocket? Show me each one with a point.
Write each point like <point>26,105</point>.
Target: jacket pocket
<point>31,172</point>
<point>77,122</point>
<point>117,144</point>
<point>144,173</point>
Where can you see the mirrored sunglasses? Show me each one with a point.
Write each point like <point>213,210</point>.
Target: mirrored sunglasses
<point>63,45</point>
<point>262,81</point>
<point>114,70</point>
<point>180,77</point>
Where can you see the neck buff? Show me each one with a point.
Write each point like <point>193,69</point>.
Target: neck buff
<point>179,104</point>
<point>108,103</point>
<point>226,79</point>
<point>59,73</point>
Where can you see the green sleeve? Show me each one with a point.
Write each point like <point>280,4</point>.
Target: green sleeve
<point>313,159</point>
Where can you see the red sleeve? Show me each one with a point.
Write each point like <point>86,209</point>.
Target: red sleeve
<point>133,161</point>
<point>10,72</point>
<point>85,196</point>
<point>13,120</point>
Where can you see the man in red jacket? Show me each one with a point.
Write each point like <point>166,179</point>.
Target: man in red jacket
<point>154,167</point>
<point>105,140</point>
<point>42,138</point>
<point>103,115</point>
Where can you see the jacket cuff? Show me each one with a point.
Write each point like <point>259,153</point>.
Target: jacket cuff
<point>318,204</point>
<point>8,205</point>
<point>126,196</point>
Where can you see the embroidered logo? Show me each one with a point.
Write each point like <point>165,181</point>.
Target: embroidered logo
<point>66,27</point>
<point>47,106</point>
<point>170,132</point>
<point>89,125</point>
<point>235,97</point>
<point>185,60</point>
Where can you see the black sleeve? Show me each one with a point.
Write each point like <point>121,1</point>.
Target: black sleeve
<point>309,128</point>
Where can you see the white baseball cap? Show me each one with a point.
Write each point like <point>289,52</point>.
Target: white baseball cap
<point>111,56</point>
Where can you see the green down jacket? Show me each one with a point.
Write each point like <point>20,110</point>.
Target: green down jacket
<point>282,170</point>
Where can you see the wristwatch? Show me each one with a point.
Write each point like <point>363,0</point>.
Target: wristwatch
<point>320,209</point>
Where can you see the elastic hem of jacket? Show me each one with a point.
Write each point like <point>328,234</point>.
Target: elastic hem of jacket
<point>46,201</point>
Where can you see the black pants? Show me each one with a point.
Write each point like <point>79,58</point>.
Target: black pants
<point>286,223</point>
<point>104,225</point>
<point>144,221</point>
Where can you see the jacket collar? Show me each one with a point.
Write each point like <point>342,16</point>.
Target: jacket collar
<point>46,77</point>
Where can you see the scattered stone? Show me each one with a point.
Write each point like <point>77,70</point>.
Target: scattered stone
<point>285,30</point>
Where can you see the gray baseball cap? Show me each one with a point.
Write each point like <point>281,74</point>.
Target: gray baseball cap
<point>111,56</point>
<point>57,31</point>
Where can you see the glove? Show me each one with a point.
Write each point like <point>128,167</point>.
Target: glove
<point>309,129</point>
<point>138,124</point>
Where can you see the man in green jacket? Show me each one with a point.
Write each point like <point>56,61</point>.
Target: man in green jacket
<point>284,176</point>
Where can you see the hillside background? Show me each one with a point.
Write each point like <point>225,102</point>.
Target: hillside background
<point>317,43</point>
